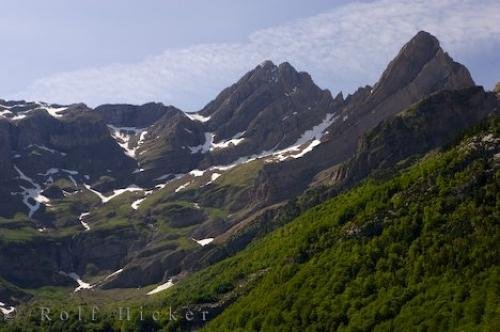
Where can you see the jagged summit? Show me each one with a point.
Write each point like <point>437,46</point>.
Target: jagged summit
<point>423,39</point>
<point>422,62</point>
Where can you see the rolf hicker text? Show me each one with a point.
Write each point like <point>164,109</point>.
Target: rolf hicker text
<point>122,314</point>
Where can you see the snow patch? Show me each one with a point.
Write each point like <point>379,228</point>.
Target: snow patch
<point>50,171</point>
<point>84,224</point>
<point>44,148</point>
<point>116,192</point>
<point>204,242</point>
<point>5,112</point>
<point>225,144</point>
<point>76,277</point>
<point>162,287</point>
<point>197,117</point>
<point>312,137</point>
<point>205,147</point>
<point>209,144</point>
<point>32,197</point>
<point>123,136</point>
<point>18,117</point>
<point>135,205</point>
<point>53,171</point>
<point>7,311</point>
<point>183,186</point>
<point>114,274</point>
<point>297,150</point>
<point>70,171</point>
<point>196,173</point>
<point>54,111</point>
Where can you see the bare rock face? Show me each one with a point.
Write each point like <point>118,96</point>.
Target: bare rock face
<point>420,69</point>
<point>80,141</point>
<point>123,115</point>
<point>167,148</point>
<point>269,108</point>
<point>497,89</point>
<point>40,140</point>
<point>431,123</point>
<point>5,148</point>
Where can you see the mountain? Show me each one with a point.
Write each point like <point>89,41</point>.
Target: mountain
<point>130,196</point>
<point>429,124</point>
<point>420,68</point>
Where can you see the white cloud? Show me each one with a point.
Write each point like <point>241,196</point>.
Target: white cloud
<point>342,49</point>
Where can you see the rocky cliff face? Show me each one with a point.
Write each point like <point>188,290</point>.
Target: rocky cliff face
<point>40,140</point>
<point>268,109</point>
<point>429,124</point>
<point>421,68</point>
<point>123,115</point>
<point>6,145</point>
<point>168,146</point>
<point>264,96</point>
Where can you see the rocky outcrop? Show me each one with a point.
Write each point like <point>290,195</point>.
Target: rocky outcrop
<point>268,108</point>
<point>41,140</point>
<point>124,115</point>
<point>6,145</point>
<point>420,68</point>
<point>36,262</point>
<point>431,123</point>
<point>80,140</point>
<point>169,149</point>
<point>148,271</point>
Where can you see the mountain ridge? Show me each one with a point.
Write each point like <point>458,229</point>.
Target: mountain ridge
<point>133,195</point>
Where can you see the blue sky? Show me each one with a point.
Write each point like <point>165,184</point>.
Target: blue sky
<point>184,52</point>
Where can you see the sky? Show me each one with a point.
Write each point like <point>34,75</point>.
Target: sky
<point>184,52</point>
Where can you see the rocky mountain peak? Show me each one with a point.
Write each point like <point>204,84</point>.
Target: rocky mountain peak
<point>423,41</point>
<point>266,65</point>
<point>339,98</point>
<point>269,73</point>
<point>422,59</point>
<point>497,89</point>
